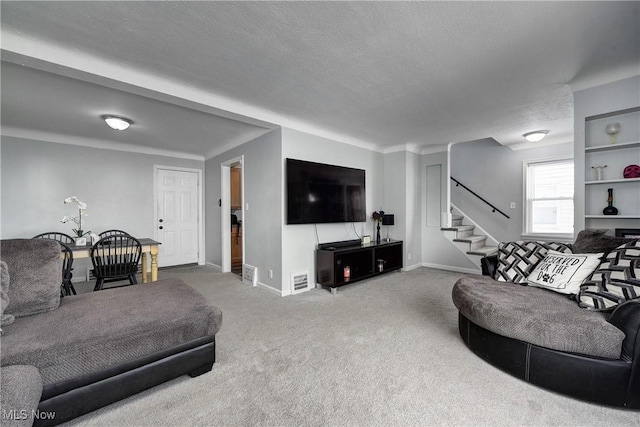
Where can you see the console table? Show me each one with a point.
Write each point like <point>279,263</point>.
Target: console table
<point>339,264</point>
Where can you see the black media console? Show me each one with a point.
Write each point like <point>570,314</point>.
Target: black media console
<point>341,263</point>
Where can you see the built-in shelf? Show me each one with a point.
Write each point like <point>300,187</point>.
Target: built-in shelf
<point>612,181</point>
<point>614,216</point>
<point>625,151</point>
<point>608,147</point>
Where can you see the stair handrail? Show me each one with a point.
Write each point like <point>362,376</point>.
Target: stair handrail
<point>458,183</point>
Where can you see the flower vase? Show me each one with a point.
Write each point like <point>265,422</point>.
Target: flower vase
<point>378,233</point>
<point>610,209</point>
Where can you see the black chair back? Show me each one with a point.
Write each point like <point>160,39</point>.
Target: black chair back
<point>67,267</point>
<point>66,288</point>
<point>54,235</point>
<point>113,233</point>
<point>115,258</point>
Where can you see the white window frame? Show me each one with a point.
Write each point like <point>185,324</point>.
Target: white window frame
<point>527,234</point>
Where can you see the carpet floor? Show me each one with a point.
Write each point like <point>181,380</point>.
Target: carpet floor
<point>385,351</point>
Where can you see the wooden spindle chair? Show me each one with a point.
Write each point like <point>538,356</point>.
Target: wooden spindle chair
<point>66,287</point>
<point>115,258</point>
<point>109,233</point>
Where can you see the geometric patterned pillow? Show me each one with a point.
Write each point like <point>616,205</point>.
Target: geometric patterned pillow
<point>615,281</point>
<point>517,259</point>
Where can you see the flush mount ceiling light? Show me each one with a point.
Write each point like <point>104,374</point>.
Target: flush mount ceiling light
<point>117,122</point>
<point>536,135</point>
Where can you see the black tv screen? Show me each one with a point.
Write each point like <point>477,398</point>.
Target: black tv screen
<point>319,193</point>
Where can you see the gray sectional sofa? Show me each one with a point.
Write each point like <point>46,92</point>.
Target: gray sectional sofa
<point>547,339</point>
<point>79,353</point>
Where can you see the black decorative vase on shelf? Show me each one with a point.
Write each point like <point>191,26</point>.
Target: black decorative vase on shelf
<point>610,209</point>
<point>378,233</point>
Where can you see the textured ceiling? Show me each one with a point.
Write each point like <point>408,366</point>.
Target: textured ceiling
<point>380,74</point>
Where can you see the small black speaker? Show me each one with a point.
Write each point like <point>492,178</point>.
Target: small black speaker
<point>387,219</point>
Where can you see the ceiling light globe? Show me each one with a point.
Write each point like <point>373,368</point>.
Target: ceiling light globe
<point>117,123</point>
<point>535,136</point>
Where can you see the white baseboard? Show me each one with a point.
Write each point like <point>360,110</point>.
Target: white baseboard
<point>271,289</point>
<point>411,267</point>
<point>216,266</point>
<point>452,268</point>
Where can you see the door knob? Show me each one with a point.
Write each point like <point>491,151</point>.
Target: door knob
<point>160,227</point>
<point>160,220</point>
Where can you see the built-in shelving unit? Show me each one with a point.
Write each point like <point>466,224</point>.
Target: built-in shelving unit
<point>600,151</point>
<point>617,146</point>
<point>611,181</point>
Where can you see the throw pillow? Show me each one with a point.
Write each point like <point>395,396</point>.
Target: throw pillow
<point>616,280</point>
<point>595,241</point>
<point>517,259</point>
<point>563,273</point>
<point>5,319</point>
<point>36,274</point>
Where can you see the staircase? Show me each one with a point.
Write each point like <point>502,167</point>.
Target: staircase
<point>464,237</point>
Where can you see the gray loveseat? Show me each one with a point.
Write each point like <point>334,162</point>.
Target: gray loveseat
<point>547,339</point>
<point>79,353</point>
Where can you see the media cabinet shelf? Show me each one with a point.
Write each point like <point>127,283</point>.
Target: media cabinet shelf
<point>362,261</point>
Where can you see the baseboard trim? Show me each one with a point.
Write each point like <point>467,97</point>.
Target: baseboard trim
<point>216,266</point>
<point>451,268</point>
<point>270,289</point>
<point>411,267</point>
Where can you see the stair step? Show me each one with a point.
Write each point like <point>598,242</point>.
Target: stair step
<point>484,251</point>
<point>470,239</point>
<point>458,228</point>
<point>456,220</point>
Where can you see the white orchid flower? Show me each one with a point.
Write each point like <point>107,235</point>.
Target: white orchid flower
<point>74,199</point>
<point>82,211</point>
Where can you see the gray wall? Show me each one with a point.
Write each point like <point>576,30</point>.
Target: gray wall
<point>437,251</point>
<point>299,241</point>
<point>262,223</point>
<point>402,197</point>
<point>395,196</point>
<point>495,173</point>
<point>414,212</point>
<point>117,187</point>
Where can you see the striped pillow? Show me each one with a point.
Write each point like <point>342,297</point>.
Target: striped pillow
<point>516,260</point>
<point>615,281</point>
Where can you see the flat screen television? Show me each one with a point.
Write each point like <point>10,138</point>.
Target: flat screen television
<point>319,193</point>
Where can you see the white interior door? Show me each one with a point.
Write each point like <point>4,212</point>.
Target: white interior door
<point>177,220</point>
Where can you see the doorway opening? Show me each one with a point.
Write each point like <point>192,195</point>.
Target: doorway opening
<point>236,218</point>
<point>232,215</point>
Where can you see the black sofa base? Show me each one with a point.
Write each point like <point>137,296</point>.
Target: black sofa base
<point>602,381</point>
<point>77,397</point>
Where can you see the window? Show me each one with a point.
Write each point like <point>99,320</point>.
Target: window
<point>549,197</point>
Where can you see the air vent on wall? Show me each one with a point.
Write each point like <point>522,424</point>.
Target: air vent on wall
<point>300,282</point>
<point>249,274</point>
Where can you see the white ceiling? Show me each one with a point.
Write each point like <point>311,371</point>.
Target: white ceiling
<point>199,77</point>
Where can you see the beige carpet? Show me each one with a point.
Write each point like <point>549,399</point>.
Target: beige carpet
<point>381,352</point>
